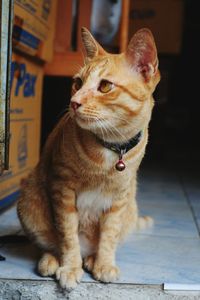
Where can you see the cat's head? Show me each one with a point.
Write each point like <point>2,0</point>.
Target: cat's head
<point>112,93</point>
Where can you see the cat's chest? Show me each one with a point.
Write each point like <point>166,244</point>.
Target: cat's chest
<point>92,203</point>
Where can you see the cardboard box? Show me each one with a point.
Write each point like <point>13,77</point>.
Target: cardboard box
<point>164,18</point>
<point>34,27</point>
<point>26,93</point>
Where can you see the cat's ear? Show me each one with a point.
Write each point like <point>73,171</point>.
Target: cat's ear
<point>141,53</point>
<point>91,46</point>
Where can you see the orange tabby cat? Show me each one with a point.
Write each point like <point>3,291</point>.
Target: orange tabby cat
<point>79,201</point>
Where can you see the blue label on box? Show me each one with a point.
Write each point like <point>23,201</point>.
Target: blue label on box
<point>25,80</point>
<point>25,37</point>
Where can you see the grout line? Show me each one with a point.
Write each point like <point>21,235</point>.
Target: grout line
<point>163,236</point>
<point>189,203</point>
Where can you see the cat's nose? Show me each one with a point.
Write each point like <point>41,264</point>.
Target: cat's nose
<point>75,105</point>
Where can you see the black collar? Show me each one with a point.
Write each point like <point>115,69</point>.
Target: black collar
<point>122,148</point>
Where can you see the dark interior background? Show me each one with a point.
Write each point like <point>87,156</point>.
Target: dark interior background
<point>174,129</point>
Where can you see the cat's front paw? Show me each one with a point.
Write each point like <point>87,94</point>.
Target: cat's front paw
<point>48,264</point>
<point>69,277</point>
<point>106,273</point>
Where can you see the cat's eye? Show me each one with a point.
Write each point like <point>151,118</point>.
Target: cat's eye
<point>105,86</point>
<point>77,84</point>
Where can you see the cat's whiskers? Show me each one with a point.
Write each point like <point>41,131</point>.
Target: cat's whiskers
<point>105,126</point>
<point>67,116</point>
<point>122,119</point>
<point>102,132</point>
<point>64,112</point>
<point>118,118</point>
<point>92,112</point>
<point>104,116</point>
<point>115,129</point>
<point>110,130</point>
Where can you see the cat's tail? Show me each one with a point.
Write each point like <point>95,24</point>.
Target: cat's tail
<point>144,222</point>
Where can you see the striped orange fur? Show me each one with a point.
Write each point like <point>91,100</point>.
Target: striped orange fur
<point>75,205</point>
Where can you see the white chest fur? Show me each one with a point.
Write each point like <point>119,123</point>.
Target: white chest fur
<point>91,204</point>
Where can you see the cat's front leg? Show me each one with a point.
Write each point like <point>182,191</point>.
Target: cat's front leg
<point>105,268</point>
<point>66,218</point>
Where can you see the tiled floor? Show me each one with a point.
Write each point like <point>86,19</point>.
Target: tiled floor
<point>167,253</point>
